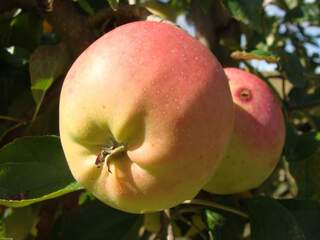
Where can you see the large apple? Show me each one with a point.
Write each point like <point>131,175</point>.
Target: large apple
<point>145,116</point>
<point>257,141</point>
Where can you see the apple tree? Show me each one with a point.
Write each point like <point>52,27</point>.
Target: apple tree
<point>276,40</point>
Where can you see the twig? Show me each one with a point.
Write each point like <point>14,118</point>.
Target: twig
<point>217,206</point>
<point>11,129</point>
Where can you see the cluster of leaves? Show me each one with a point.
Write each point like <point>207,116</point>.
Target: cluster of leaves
<point>39,199</point>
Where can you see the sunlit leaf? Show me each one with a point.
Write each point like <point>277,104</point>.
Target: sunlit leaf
<point>113,4</point>
<point>33,169</point>
<point>47,63</point>
<point>18,223</point>
<point>255,55</point>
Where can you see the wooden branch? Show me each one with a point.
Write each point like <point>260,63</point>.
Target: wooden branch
<point>214,24</point>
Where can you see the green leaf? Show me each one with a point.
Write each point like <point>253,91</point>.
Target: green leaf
<point>294,14</point>
<point>214,222</point>
<point>33,169</point>
<point>247,12</point>
<point>16,57</point>
<point>291,3</point>
<point>213,219</point>
<point>163,10</point>
<point>270,220</point>
<point>47,63</point>
<point>311,12</point>
<point>14,84</point>
<point>113,4</point>
<point>307,176</point>
<point>25,31</point>
<point>255,54</point>
<point>293,68</point>
<point>99,222</point>
<point>299,97</point>
<point>300,146</point>
<point>2,230</point>
<point>86,6</point>
<point>19,222</point>
<point>307,214</point>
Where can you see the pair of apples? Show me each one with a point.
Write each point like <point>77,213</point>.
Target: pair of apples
<point>147,120</point>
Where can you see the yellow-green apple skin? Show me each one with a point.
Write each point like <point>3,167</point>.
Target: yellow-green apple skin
<point>155,91</point>
<point>258,138</point>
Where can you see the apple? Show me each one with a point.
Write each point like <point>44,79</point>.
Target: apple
<point>145,117</point>
<point>258,138</point>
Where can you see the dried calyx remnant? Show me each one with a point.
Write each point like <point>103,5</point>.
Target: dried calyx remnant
<point>245,94</point>
<point>108,151</point>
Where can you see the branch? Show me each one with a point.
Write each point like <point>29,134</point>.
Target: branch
<point>125,11</point>
<point>212,25</point>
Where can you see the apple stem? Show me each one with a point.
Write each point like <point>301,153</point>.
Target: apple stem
<point>116,150</point>
<point>107,152</point>
<point>217,206</point>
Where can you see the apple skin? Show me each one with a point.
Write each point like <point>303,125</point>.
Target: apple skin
<point>258,138</point>
<point>155,90</point>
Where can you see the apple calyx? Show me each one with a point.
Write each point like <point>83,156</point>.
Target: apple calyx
<point>245,94</point>
<point>107,152</point>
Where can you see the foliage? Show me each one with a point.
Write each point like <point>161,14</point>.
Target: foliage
<point>279,40</point>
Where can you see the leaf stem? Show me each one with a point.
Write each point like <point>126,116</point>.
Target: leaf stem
<point>12,119</point>
<point>11,129</point>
